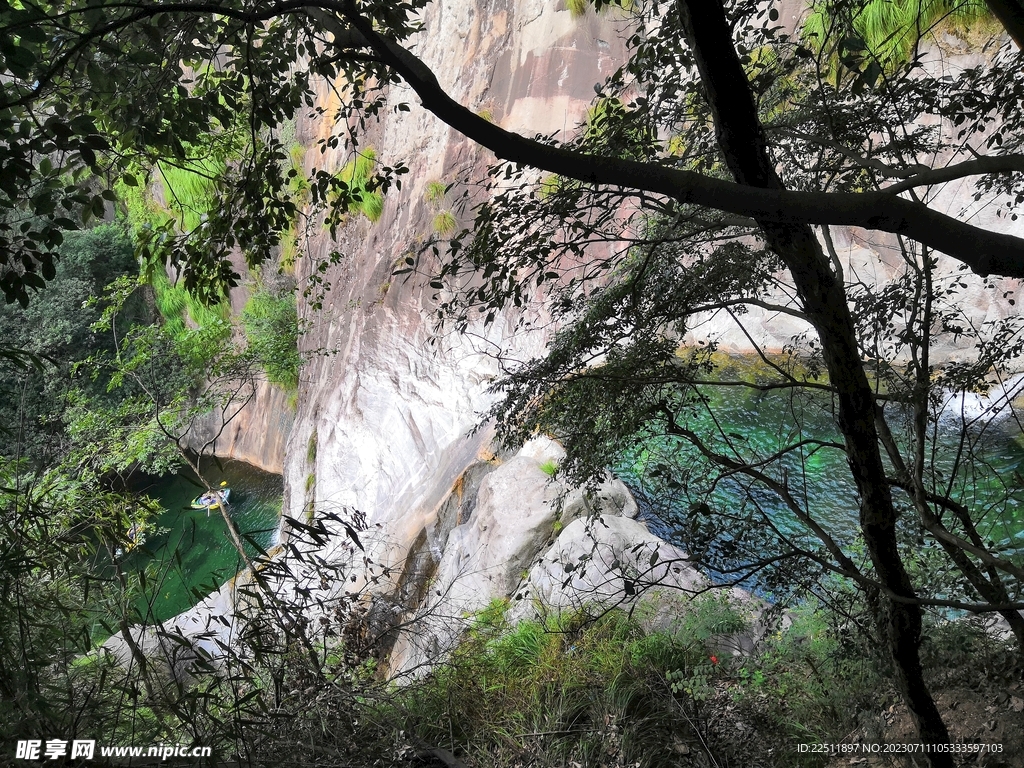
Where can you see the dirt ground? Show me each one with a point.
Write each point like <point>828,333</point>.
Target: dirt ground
<point>992,716</point>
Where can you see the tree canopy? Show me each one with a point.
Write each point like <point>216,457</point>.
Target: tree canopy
<point>726,138</point>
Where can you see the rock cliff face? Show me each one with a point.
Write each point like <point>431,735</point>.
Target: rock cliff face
<point>257,433</point>
<point>386,412</point>
<point>541,546</point>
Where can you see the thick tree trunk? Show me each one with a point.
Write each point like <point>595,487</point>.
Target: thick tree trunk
<point>824,300</point>
<point>1011,15</point>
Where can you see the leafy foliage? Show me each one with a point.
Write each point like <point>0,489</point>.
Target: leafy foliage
<point>625,367</point>
<point>630,272</point>
<point>356,188</point>
<point>55,331</point>
<point>70,107</point>
<point>182,311</point>
<point>191,191</point>
<point>886,32</point>
<point>55,526</point>
<point>272,329</point>
<point>602,689</point>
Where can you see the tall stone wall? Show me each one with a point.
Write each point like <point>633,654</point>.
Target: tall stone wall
<point>389,408</point>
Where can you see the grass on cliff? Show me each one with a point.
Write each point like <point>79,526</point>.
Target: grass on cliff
<point>190,192</point>
<point>586,691</point>
<point>271,326</point>
<point>888,31</point>
<point>184,315</point>
<point>355,191</point>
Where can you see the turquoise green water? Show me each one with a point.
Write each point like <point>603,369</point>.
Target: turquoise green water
<point>188,553</point>
<point>744,424</point>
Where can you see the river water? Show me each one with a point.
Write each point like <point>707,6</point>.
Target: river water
<point>187,553</point>
<point>676,484</point>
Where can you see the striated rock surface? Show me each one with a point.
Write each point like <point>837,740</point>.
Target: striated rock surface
<point>529,538</point>
<point>256,434</point>
<point>386,412</point>
<point>389,409</point>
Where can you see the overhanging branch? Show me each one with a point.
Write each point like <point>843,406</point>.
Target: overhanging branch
<point>976,167</point>
<point>983,251</point>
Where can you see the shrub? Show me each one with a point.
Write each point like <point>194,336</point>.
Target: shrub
<point>569,690</point>
<point>135,207</point>
<point>887,31</point>
<point>435,192</point>
<point>271,326</point>
<point>592,691</point>
<point>176,306</point>
<point>357,175</point>
<point>445,223</point>
<point>190,192</point>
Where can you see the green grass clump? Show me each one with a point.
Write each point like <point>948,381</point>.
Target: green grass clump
<point>445,223</point>
<point>577,8</point>
<point>177,307</point>
<point>549,467</point>
<point>271,326</point>
<point>356,175</point>
<point>190,191</point>
<point>435,193</point>
<point>289,251</point>
<point>570,690</point>
<point>297,156</point>
<point>592,691</point>
<point>890,29</point>
<point>298,182</point>
<point>371,205</point>
<point>136,209</point>
<point>311,447</point>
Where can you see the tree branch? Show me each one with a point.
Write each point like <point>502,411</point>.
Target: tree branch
<point>983,251</point>
<point>1011,15</point>
<point>976,167</point>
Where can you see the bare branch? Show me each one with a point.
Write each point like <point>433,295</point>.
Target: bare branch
<point>976,167</point>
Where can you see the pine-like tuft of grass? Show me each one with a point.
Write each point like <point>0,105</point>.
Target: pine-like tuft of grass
<point>890,29</point>
<point>445,223</point>
<point>356,174</point>
<point>435,192</point>
<point>577,7</point>
<point>190,191</point>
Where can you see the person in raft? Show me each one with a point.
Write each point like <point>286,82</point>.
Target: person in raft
<point>213,498</point>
